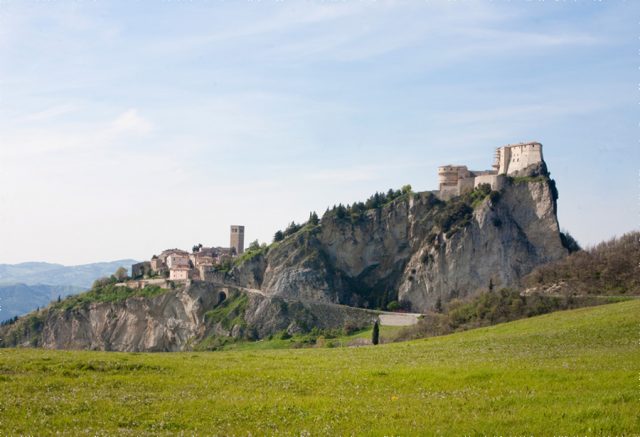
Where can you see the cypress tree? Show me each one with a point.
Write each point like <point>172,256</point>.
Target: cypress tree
<point>375,335</point>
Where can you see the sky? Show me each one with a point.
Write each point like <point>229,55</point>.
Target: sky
<point>128,127</point>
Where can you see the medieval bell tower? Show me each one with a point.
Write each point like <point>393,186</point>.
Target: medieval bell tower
<point>237,238</point>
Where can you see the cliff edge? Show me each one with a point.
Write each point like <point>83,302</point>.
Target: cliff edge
<point>415,249</point>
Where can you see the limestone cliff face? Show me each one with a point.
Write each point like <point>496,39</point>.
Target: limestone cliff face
<point>504,241</point>
<point>162,323</point>
<point>412,250</point>
<point>189,317</point>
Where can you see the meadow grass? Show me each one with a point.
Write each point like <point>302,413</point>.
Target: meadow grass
<point>567,373</point>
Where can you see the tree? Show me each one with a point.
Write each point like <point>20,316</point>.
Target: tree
<point>393,305</point>
<point>406,189</point>
<point>313,218</point>
<point>255,245</point>
<point>196,248</point>
<point>569,242</point>
<point>59,299</point>
<point>278,236</point>
<point>375,335</point>
<point>438,306</point>
<point>341,212</point>
<point>292,229</point>
<point>121,274</point>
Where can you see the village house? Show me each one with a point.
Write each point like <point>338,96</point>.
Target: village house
<point>180,265</point>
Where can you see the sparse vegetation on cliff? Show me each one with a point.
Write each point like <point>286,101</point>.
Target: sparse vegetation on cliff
<point>106,293</point>
<point>23,331</point>
<point>457,213</point>
<point>229,313</point>
<point>355,212</point>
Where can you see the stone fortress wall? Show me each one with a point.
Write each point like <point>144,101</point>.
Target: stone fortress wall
<point>455,180</point>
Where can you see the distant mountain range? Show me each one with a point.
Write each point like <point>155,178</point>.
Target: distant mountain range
<point>26,286</point>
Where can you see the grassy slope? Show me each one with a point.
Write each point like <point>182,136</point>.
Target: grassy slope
<point>573,372</point>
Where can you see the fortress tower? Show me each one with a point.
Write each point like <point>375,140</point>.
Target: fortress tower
<point>511,159</point>
<point>237,238</point>
<point>516,157</point>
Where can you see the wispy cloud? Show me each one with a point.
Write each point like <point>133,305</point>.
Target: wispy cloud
<point>131,122</point>
<point>49,113</point>
<point>34,138</point>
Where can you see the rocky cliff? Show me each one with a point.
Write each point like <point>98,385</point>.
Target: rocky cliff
<point>415,248</point>
<point>197,316</point>
<point>411,248</point>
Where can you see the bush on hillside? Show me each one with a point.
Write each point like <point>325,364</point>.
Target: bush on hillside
<point>490,308</point>
<point>610,268</point>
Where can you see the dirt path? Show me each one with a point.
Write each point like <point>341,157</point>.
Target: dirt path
<point>386,318</point>
<point>399,319</point>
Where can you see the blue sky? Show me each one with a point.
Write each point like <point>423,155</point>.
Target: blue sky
<point>130,127</point>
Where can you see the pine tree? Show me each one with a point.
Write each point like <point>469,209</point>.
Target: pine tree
<point>313,218</point>
<point>279,236</point>
<point>375,335</point>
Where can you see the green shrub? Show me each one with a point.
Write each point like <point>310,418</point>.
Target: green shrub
<point>393,305</point>
<point>284,335</point>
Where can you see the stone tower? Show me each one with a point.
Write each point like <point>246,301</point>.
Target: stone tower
<point>237,238</point>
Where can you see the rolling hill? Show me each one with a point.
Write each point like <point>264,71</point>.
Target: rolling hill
<point>27,286</point>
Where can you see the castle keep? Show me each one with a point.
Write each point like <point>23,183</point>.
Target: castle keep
<point>510,160</point>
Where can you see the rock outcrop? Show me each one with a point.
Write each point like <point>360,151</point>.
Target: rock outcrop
<point>416,248</point>
<point>185,318</point>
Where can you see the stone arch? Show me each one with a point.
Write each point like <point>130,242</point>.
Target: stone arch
<point>222,296</point>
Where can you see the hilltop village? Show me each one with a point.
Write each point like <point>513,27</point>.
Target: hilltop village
<point>180,265</point>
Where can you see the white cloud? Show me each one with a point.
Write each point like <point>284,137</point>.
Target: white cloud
<point>131,122</point>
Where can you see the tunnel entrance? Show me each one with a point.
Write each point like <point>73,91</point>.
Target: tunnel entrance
<point>221,297</point>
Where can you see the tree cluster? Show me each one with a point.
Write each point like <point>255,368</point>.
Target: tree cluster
<point>294,227</point>
<point>120,275</point>
<point>610,268</point>
<point>355,211</point>
<point>10,321</point>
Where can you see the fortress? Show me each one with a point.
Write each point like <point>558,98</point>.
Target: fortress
<point>510,160</point>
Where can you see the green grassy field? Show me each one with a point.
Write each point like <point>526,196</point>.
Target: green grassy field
<point>566,373</point>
